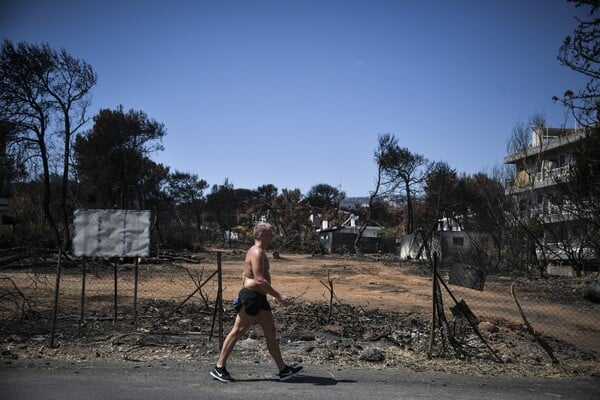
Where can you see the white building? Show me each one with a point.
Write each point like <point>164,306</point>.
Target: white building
<point>539,170</point>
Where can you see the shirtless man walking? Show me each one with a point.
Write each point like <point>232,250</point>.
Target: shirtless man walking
<point>252,306</point>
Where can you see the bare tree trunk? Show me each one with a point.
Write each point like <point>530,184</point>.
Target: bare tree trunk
<point>47,189</point>
<point>363,226</point>
<point>65,184</point>
<point>410,224</point>
<point>156,225</point>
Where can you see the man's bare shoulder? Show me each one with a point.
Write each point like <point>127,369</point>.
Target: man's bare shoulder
<point>255,251</point>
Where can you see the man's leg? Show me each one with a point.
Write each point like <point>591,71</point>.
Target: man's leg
<point>243,321</point>
<point>265,319</point>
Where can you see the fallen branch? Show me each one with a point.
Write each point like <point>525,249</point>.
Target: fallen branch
<point>394,341</point>
<point>128,357</point>
<point>16,296</point>
<point>387,336</point>
<point>191,260</point>
<point>439,317</point>
<point>294,298</point>
<point>530,329</point>
<point>197,279</point>
<point>198,288</point>
<point>463,308</point>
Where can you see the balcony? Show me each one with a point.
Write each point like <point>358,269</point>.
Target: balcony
<point>547,213</point>
<point>540,180</point>
<point>554,174</point>
<point>546,143</point>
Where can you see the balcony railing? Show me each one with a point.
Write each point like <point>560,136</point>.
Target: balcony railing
<point>547,213</point>
<point>553,174</point>
<point>540,179</point>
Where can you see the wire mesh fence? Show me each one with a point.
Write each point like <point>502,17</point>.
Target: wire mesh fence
<point>554,308</point>
<point>518,319</point>
<point>178,296</point>
<point>96,297</point>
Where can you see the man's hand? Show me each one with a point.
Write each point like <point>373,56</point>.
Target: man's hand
<point>283,300</point>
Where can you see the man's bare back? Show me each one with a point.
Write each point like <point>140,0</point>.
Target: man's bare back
<point>253,254</point>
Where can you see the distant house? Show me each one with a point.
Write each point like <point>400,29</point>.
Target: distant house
<point>449,241</point>
<point>340,239</point>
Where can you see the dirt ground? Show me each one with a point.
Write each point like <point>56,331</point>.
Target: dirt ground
<point>390,285</point>
<point>380,318</point>
<point>359,282</point>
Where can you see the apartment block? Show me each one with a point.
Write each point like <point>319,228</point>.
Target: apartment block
<point>540,168</point>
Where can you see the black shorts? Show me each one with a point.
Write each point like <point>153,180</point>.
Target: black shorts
<point>252,302</point>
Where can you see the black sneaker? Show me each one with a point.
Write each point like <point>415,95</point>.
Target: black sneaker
<point>221,374</point>
<point>289,372</point>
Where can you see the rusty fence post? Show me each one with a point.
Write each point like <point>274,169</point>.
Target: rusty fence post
<point>219,304</point>
<point>56,290</point>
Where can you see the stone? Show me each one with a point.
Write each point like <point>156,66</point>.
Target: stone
<point>372,355</point>
<point>486,326</point>
<point>591,291</point>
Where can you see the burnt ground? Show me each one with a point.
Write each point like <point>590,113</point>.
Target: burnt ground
<point>379,318</point>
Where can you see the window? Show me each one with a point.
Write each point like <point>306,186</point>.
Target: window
<point>540,200</point>
<point>563,161</point>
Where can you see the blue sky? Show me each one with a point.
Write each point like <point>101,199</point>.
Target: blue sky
<point>295,93</point>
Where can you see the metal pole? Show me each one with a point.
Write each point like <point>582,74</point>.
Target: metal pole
<point>220,299</point>
<point>83,278</point>
<point>135,292</point>
<point>115,309</point>
<point>56,289</point>
<point>434,306</point>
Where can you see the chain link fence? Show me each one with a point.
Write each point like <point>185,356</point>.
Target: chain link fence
<point>176,298</point>
<point>97,297</point>
<point>550,313</point>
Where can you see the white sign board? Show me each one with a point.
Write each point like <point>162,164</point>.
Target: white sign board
<point>111,233</point>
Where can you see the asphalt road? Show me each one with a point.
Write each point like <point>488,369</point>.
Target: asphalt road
<point>43,379</point>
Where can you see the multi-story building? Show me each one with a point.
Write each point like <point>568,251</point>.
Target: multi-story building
<point>541,168</point>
